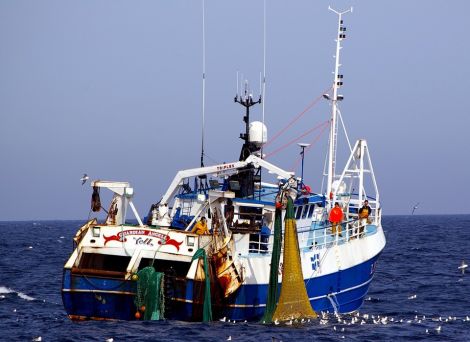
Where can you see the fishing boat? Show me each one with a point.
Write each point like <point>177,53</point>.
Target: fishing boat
<point>208,242</point>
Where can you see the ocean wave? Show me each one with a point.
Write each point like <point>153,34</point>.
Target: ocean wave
<point>7,290</point>
<point>25,296</point>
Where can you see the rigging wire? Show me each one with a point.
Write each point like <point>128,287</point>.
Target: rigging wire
<point>310,106</point>
<point>314,141</point>
<point>321,125</point>
<point>212,159</point>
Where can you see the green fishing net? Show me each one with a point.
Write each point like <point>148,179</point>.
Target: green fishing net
<point>149,299</point>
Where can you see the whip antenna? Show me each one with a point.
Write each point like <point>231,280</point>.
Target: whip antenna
<point>263,94</point>
<point>203,80</point>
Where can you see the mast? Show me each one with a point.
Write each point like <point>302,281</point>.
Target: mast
<point>263,92</point>
<point>337,82</point>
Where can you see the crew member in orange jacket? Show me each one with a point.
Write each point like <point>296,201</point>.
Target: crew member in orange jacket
<point>336,217</point>
<point>200,228</point>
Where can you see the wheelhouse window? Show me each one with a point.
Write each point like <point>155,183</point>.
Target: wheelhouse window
<point>305,212</point>
<point>310,210</point>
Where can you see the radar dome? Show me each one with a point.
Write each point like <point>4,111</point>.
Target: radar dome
<point>340,187</point>
<point>258,133</point>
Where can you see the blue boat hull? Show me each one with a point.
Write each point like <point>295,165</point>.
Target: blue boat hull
<point>87,297</point>
<point>90,297</point>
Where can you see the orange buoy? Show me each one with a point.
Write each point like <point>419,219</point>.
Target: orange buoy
<point>137,315</point>
<point>142,308</point>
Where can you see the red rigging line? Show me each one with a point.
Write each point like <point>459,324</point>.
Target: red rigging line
<point>314,141</point>
<point>314,102</point>
<point>321,125</point>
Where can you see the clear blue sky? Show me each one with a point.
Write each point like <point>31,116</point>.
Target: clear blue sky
<point>113,89</point>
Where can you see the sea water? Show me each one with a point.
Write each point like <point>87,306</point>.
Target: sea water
<point>418,292</point>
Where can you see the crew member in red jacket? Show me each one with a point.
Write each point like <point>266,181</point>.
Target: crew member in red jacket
<point>336,217</point>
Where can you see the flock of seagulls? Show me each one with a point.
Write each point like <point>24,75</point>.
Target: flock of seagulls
<point>358,319</point>
<point>353,319</point>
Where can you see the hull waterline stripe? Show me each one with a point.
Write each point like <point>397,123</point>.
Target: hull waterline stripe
<point>263,305</point>
<point>99,291</point>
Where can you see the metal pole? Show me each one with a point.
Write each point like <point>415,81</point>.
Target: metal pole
<point>303,146</point>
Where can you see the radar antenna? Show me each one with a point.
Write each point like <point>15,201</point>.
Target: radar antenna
<point>246,100</point>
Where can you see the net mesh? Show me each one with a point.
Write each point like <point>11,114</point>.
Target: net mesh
<point>273,275</point>
<point>293,300</point>
<point>149,299</point>
<point>207,307</point>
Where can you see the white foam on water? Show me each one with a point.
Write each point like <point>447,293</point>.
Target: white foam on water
<point>5,290</point>
<point>25,296</point>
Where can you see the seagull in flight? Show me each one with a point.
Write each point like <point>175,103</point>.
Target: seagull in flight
<point>463,266</point>
<point>84,178</point>
<point>414,208</point>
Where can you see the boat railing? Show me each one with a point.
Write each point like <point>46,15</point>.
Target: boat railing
<point>322,236</point>
<point>318,235</point>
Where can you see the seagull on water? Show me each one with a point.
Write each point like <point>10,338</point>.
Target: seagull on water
<point>414,208</point>
<point>463,266</point>
<point>84,178</point>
